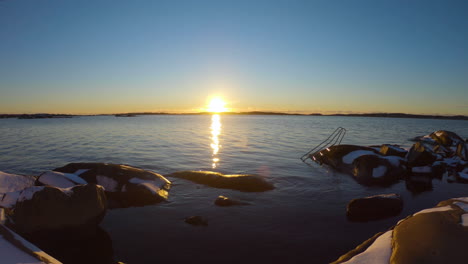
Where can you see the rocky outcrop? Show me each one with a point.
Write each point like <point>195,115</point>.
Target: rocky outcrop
<point>374,207</point>
<point>434,235</point>
<point>240,182</point>
<point>124,185</point>
<point>366,164</point>
<point>43,208</point>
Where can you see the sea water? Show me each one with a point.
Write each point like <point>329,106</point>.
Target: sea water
<point>302,221</point>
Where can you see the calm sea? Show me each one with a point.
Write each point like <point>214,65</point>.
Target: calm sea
<point>302,221</point>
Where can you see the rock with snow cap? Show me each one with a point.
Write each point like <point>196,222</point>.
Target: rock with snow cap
<point>392,150</point>
<point>341,157</point>
<point>420,155</point>
<point>434,235</point>
<point>43,208</point>
<point>378,170</point>
<point>124,185</point>
<point>374,207</point>
<point>446,138</point>
<point>14,182</point>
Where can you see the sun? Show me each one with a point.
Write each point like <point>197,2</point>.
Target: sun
<point>216,105</point>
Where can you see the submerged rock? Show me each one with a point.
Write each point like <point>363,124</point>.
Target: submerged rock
<point>374,207</point>
<point>124,185</point>
<point>240,182</point>
<point>44,208</point>
<point>434,235</point>
<point>196,221</point>
<point>225,201</point>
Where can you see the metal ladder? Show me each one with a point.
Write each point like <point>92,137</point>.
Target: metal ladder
<point>335,138</point>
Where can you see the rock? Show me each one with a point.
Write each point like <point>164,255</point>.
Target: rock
<point>377,170</point>
<point>420,155</point>
<point>434,235</point>
<point>462,151</point>
<point>43,208</point>
<point>341,157</point>
<point>462,176</point>
<point>240,182</point>
<point>13,182</point>
<point>196,220</point>
<point>59,179</point>
<point>124,185</point>
<point>392,150</point>
<point>374,207</point>
<point>446,138</point>
<point>418,183</point>
<point>225,201</point>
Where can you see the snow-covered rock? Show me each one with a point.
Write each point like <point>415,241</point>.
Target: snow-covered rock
<point>13,182</point>
<point>124,185</point>
<point>434,235</point>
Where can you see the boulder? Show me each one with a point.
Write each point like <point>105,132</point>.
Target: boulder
<point>434,235</point>
<point>225,201</point>
<point>124,185</point>
<point>240,182</point>
<point>462,151</point>
<point>377,170</point>
<point>392,150</point>
<point>44,208</point>
<point>446,138</point>
<point>13,182</point>
<point>420,155</point>
<point>374,207</point>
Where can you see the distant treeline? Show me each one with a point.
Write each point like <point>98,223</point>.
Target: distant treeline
<point>389,115</point>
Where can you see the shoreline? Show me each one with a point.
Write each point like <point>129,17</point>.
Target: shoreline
<point>135,114</point>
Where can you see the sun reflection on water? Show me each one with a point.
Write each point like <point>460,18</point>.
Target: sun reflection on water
<point>215,132</point>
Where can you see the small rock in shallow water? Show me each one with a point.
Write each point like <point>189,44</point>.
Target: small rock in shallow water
<point>225,201</point>
<point>196,220</point>
<point>374,207</point>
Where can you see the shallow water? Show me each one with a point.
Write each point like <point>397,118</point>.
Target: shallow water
<point>302,221</point>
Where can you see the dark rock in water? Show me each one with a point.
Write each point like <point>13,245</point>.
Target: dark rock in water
<point>341,157</point>
<point>420,155</point>
<point>417,184</point>
<point>377,170</point>
<point>43,209</point>
<point>462,176</point>
<point>240,182</point>
<point>125,185</point>
<point>196,220</point>
<point>392,150</point>
<point>225,201</point>
<point>446,138</point>
<point>374,207</point>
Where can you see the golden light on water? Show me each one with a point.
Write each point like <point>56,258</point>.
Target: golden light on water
<point>216,105</point>
<point>215,132</point>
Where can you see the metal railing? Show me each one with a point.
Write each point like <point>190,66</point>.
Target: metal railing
<point>335,138</point>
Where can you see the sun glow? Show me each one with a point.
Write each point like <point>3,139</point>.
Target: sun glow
<point>216,105</point>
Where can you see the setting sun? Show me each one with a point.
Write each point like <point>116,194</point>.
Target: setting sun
<point>216,105</point>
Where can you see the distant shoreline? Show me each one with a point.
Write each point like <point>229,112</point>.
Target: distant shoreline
<point>386,115</point>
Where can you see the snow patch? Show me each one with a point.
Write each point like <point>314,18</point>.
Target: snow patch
<point>350,157</point>
<point>423,169</point>
<point>379,171</point>
<point>435,209</point>
<point>9,200</point>
<point>463,174</point>
<point>12,182</point>
<point>463,206</point>
<point>80,171</point>
<point>60,180</point>
<point>379,252</point>
<point>109,184</point>
<point>394,160</point>
<point>464,220</point>
<point>461,199</point>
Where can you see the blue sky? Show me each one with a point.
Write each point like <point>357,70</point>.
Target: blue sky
<point>301,56</point>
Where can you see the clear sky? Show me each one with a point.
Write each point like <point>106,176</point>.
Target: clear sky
<point>93,56</point>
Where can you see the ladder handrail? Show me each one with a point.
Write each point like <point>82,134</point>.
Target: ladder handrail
<point>335,138</point>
